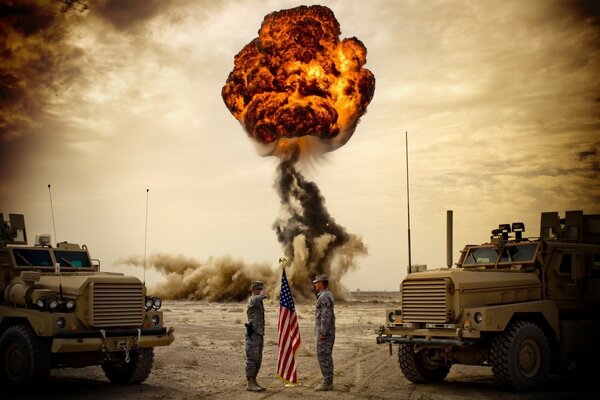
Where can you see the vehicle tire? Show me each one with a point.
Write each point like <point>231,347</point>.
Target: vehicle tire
<point>520,356</point>
<point>419,367</point>
<point>134,372</point>
<point>24,359</point>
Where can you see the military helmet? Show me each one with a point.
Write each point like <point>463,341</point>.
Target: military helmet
<point>257,285</point>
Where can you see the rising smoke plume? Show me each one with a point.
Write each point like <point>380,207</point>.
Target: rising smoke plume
<point>297,90</point>
<point>312,241</point>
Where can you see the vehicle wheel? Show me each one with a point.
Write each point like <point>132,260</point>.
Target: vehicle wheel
<point>520,356</point>
<point>24,359</point>
<point>136,371</point>
<point>419,367</point>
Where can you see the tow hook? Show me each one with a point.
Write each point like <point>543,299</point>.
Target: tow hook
<point>126,350</point>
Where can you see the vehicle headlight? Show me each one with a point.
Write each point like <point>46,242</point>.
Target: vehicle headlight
<point>157,303</point>
<point>61,322</point>
<point>392,317</point>
<point>52,304</point>
<point>70,304</point>
<point>149,302</point>
<point>477,317</point>
<point>155,320</point>
<point>41,303</point>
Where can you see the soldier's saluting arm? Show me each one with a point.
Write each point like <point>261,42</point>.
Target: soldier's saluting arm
<point>256,313</point>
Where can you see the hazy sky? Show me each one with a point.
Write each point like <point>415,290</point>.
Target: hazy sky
<point>501,100</point>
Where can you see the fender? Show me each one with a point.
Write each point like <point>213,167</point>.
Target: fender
<point>39,323</point>
<point>496,318</point>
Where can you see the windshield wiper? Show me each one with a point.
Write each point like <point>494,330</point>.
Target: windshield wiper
<point>473,257</point>
<point>24,259</point>
<point>69,263</point>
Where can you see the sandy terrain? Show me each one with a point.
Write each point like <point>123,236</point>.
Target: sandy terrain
<point>207,361</point>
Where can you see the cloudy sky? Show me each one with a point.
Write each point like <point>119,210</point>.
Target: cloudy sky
<point>501,101</point>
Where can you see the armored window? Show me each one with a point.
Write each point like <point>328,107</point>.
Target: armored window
<point>481,255</point>
<point>519,253</point>
<point>565,264</point>
<point>572,233</point>
<point>32,258</point>
<point>77,259</point>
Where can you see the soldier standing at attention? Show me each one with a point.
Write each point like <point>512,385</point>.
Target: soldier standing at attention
<point>255,330</point>
<point>324,330</point>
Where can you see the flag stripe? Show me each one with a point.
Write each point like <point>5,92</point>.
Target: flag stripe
<point>289,334</point>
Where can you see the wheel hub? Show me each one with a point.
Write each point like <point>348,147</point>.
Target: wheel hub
<point>427,362</point>
<point>15,362</point>
<point>529,358</point>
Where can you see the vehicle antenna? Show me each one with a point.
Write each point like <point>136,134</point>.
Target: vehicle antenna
<point>52,211</point>
<point>146,234</point>
<point>57,266</point>
<point>408,203</point>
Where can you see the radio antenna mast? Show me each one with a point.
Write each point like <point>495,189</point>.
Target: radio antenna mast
<point>52,211</point>
<point>146,234</point>
<point>408,203</point>
<point>57,265</point>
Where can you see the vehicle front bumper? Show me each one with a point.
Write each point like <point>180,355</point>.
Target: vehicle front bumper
<point>440,337</point>
<point>111,340</point>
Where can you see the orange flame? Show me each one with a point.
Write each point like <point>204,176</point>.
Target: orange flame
<point>297,86</point>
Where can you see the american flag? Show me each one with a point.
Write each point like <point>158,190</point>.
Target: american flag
<point>289,334</point>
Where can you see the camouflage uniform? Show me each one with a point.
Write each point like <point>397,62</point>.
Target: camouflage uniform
<point>254,342</point>
<point>325,325</point>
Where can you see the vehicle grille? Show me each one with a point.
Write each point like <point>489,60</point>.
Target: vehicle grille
<point>117,304</point>
<point>426,301</point>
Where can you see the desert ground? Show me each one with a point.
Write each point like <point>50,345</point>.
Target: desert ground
<point>207,361</point>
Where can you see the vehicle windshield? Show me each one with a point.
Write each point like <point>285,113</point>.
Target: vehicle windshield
<point>481,255</point>
<point>511,253</point>
<point>519,253</point>
<point>77,259</point>
<point>32,257</point>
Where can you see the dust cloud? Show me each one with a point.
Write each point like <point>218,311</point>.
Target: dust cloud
<point>216,279</point>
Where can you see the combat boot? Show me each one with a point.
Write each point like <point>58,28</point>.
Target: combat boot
<point>253,386</point>
<point>261,387</point>
<point>324,387</point>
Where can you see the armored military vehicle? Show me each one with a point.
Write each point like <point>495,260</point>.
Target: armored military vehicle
<point>524,306</point>
<point>58,310</point>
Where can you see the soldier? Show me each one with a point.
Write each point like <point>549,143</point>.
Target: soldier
<point>255,330</point>
<point>324,330</point>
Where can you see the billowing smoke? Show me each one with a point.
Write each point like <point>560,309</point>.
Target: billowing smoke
<point>36,63</point>
<point>312,241</point>
<point>297,90</point>
<point>216,279</point>
<point>40,61</point>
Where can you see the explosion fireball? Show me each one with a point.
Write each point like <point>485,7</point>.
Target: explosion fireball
<point>296,89</point>
<point>297,85</point>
